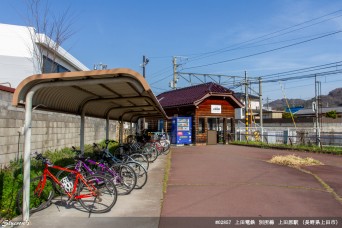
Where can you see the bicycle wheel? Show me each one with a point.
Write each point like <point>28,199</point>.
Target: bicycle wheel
<point>166,146</point>
<point>151,153</point>
<point>97,193</point>
<point>140,158</point>
<point>40,194</point>
<point>158,147</point>
<point>140,172</point>
<point>124,178</point>
<point>68,178</point>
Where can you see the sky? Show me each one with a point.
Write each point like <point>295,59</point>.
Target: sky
<point>283,42</point>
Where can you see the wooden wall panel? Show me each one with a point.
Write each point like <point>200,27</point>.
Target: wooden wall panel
<point>204,109</point>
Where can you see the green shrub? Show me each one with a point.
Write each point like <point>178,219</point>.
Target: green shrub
<point>111,146</point>
<point>331,114</point>
<point>11,180</point>
<point>287,115</point>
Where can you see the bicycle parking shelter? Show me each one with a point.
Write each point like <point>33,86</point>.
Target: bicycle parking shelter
<point>116,94</point>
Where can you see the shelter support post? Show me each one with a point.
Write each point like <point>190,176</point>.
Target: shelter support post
<point>107,128</point>
<point>27,159</point>
<point>131,128</point>
<point>121,132</point>
<point>82,132</point>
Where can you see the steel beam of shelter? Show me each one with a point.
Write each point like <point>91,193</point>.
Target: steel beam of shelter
<point>118,89</point>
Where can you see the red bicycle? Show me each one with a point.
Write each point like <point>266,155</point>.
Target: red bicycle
<point>96,193</point>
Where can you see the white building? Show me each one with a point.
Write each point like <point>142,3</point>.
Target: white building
<point>254,105</point>
<point>18,47</point>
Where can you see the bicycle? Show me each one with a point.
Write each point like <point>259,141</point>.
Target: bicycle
<point>127,154</point>
<point>165,143</point>
<point>122,175</point>
<point>95,193</point>
<point>139,169</point>
<point>145,148</point>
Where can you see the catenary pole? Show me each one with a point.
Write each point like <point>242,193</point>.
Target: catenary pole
<point>261,111</point>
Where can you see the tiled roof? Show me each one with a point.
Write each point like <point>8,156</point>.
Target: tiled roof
<point>242,96</point>
<point>7,89</point>
<point>309,111</point>
<point>187,96</point>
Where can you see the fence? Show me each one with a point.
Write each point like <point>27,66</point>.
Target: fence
<point>299,136</point>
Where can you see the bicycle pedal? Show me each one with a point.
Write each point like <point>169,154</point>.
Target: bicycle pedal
<point>98,196</point>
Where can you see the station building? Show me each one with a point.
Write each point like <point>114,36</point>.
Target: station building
<point>210,106</point>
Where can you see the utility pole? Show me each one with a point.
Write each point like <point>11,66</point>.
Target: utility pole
<point>100,66</point>
<point>174,81</point>
<point>145,61</point>
<point>318,143</point>
<point>246,106</point>
<point>261,113</point>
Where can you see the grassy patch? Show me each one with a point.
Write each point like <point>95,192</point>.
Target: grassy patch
<point>167,172</point>
<point>294,161</point>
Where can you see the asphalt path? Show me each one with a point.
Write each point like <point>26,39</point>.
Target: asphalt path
<point>230,182</point>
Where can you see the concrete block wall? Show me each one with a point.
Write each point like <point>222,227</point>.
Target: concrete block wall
<point>50,131</point>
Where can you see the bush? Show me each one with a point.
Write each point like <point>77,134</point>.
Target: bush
<point>11,180</point>
<point>287,115</point>
<point>111,146</point>
<point>331,114</point>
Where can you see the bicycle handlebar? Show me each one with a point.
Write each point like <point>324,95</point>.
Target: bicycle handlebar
<point>43,159</point>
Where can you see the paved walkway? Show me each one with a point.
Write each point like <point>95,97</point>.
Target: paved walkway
<point>141,208</point>
<point>230,181</point>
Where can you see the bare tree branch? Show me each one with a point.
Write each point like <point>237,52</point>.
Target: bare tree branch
<point>49,33</point>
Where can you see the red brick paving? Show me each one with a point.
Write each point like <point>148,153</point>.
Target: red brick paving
<point>236,181</point>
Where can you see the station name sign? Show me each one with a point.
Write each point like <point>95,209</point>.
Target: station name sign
<point>216,109</point>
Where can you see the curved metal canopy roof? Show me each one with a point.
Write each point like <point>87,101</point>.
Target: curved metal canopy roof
<point>119,94</point>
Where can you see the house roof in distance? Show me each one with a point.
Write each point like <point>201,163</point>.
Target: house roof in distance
<point>7,89</point>
<point>309,111</point>
<point>242,96</point>
<point>194,95</point>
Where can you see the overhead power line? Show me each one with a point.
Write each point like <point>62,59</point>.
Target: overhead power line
<point>304,70</point>
<point>248,42</point>
<point>325,73</point>
<point>263,52</point>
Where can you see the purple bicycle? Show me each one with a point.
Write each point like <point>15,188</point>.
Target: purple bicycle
<point>122,175</point>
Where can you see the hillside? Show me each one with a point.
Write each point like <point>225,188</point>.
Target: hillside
<point>333,99</point>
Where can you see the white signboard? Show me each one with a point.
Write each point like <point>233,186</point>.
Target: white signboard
<point>215,108</point>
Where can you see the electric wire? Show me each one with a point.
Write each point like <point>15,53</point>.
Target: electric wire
<point>244,46</point>
<point>161,79</point>
<point>275,32</point>
<point>263,52</point>
<point>307,69</point>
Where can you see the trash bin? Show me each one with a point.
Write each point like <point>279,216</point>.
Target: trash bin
<point>211,137</point>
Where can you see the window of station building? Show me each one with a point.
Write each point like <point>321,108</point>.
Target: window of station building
<point>213,124</point>
<point>50,66</point>
<point>201,122</point>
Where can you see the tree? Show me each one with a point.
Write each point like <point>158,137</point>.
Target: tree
<point>331,114</point>
<point>287,115</point>
<point>49,32</point>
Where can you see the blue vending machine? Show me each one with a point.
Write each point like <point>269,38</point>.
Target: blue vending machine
<point>181,130</point>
